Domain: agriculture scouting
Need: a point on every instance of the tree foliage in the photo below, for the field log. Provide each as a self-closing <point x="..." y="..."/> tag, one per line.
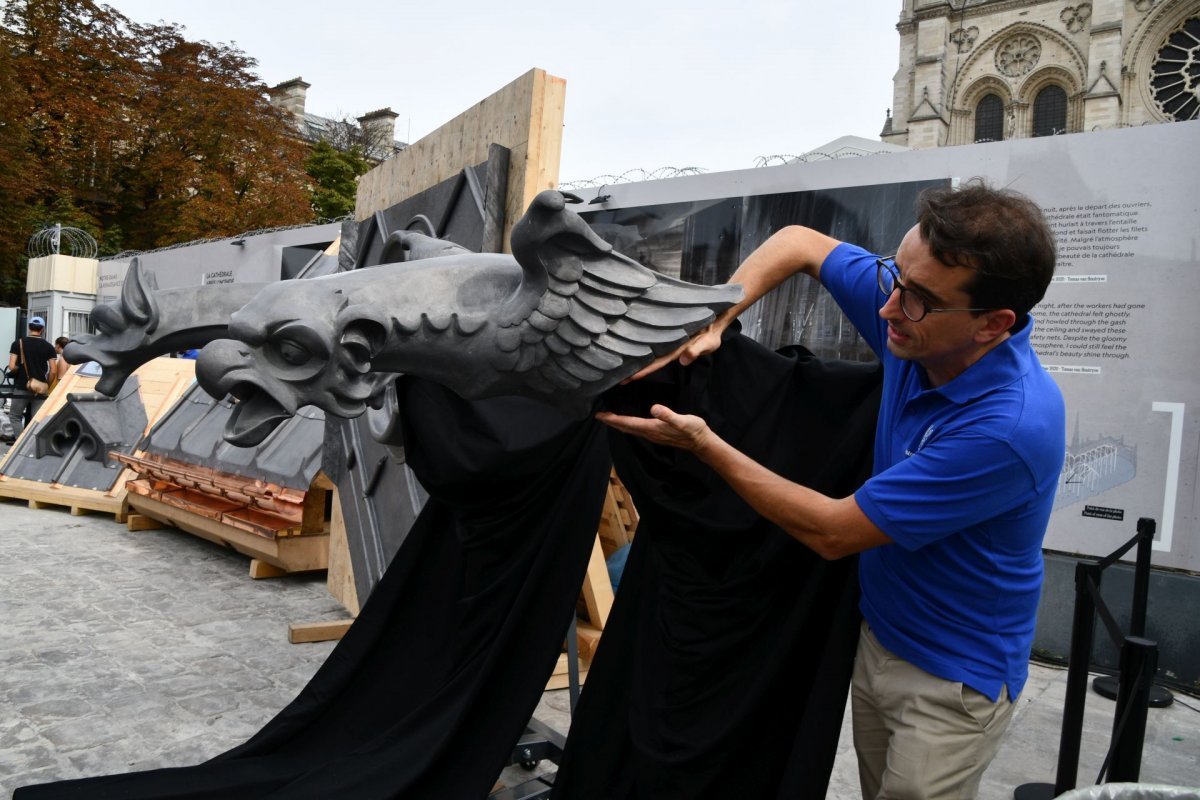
<point x="135" y="134"/>
<point x="335" y="173"/>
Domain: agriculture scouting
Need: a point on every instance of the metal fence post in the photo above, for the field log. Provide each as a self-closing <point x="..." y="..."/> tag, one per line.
<point x="1139" y="662"/>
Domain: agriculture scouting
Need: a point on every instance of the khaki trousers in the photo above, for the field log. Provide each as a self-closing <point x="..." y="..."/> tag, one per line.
<point x="917" y="736"/>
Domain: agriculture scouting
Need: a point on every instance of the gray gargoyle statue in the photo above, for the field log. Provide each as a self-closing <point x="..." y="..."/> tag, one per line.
<point x="562" y="319"/>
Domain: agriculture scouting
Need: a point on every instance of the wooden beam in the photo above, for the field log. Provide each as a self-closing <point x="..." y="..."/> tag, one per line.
<point x="340" y="578"/>
<point x="597" y="588"/>
<point x="261" y="569"/>
<point x="561" y="679"/>
<point x="312" y="519"/>
<point x="290" y="553"/>
<point x="588" y="636"/>
<point x="300" y="632"/>
<point x="140" y="522"/>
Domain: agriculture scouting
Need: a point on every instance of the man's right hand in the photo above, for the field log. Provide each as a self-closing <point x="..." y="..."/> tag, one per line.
<point x="703" y="343"/>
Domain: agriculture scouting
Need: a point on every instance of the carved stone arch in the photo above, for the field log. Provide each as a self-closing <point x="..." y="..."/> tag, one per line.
<point x="963" y="130"/>
<point x="982" y="60"/>
<point x="1058" y="53"/>
<point x="988" y="84"/>
<point x="1051" y="74"/>
<point x="1038" y="80"/>
<point x="1142" y="47"/>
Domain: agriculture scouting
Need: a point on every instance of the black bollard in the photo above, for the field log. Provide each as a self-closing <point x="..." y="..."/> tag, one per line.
<point x="1082" y="630"/>
<point x="1106" y="685"/>
<point x="1139" y="662"/>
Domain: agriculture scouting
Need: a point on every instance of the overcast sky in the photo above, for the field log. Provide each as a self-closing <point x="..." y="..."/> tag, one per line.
<point x="650" y="84"/>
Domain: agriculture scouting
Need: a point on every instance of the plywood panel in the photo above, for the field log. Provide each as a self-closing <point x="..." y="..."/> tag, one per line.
<point x="525" y="116"/>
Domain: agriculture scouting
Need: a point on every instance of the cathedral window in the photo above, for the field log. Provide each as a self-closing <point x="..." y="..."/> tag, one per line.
<point x="989" y="119"/>
<point x="1050" y="111"/>
<point x="1175" y="76"/>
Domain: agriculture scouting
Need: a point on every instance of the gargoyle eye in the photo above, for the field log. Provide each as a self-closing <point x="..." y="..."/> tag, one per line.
<point x="293" y="353"/>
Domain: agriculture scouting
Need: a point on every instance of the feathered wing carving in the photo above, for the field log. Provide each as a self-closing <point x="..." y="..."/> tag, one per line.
<point x="588" y="317"/>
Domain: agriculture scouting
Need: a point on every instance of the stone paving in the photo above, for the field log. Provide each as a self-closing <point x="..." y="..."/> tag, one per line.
<point x="125" y="651"/>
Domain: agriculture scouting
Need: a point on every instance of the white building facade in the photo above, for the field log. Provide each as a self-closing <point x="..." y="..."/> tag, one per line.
<point x="990" y="70"/>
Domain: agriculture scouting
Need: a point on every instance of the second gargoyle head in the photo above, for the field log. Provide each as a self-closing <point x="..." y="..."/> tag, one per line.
<point x="296" y="343"/>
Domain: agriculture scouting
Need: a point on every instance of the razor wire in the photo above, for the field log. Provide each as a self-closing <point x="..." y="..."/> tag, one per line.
<point x="54" y="240"/>
<point x="638" y="174"/>
<point x="635" y="175"/>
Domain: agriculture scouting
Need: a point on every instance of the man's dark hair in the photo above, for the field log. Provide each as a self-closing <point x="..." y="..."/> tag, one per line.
<point x="62" y="341"/>
<point x="1000" y="234"/>
<point x="33" y="326"/>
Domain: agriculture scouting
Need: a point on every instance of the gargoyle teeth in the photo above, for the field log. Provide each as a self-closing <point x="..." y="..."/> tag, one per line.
<point x="470" y="325"/>
<point x="407" y="326"/>
<point x="438" y="324"/>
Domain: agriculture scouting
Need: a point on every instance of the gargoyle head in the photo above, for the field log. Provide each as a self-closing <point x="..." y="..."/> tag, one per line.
<point x="125" y="326"/>
<point x="296" y="343"/>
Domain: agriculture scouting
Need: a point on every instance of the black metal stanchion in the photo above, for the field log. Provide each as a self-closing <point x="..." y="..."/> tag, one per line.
<point x="1106" y="685"/>
<point x="1082" y="629"/>
<point x="1139" y="662"/>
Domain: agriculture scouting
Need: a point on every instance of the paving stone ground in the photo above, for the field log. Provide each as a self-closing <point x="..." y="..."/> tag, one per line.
<point x="125" y="651"/>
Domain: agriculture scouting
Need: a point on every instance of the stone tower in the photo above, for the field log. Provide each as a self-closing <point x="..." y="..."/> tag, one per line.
<point x="984" y="70"/>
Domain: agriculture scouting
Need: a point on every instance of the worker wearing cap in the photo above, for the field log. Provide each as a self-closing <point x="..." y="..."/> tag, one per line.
<point x="37" y="362"/>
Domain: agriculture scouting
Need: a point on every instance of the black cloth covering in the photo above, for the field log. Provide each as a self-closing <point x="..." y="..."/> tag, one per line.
<point x="430" y="689"/>
<point x="725" y="663"/>
<point x="724" y="666"/>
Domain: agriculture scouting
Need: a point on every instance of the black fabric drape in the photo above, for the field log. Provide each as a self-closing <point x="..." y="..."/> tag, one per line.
<point x="724" y="664"/>
<point x="726" y="660"/>
<point x="429" y="690"/>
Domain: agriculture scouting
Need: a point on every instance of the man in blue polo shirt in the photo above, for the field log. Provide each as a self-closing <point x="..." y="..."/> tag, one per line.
<point x="969" y="445"/>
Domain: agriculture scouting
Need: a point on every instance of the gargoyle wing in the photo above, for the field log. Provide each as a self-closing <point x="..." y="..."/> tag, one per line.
<point x="588" y="317"/>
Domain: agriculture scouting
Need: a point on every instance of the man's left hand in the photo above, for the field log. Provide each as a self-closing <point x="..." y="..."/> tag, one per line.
<point x="665" y="427"/>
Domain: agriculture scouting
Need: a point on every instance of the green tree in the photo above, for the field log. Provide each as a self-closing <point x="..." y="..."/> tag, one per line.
<point x="335" y="173"/>
<point x="134" y="133"/>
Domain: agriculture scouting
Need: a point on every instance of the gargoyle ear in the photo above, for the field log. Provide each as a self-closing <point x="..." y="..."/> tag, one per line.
<point x="137" y="297"/>
<point x="364" y="333"/>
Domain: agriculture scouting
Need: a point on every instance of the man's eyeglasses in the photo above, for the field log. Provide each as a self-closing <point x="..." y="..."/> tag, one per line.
<point x="914" y="306"/>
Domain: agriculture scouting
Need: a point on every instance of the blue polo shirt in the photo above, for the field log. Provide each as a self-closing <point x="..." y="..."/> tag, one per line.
<point x="964" y="484"/>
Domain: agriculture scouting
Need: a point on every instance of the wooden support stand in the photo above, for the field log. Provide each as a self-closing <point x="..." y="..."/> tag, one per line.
<point x="301" y="632"/>
<point x="140" y="522"/>
<point x="618" y="523"/>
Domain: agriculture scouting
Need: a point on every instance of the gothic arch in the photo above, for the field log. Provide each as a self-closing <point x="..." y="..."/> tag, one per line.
<point x="1039" y="79"/>
<point x="1067" y="69"/>
<point x="964" y="117"/>
<point x="1142" y="47"/>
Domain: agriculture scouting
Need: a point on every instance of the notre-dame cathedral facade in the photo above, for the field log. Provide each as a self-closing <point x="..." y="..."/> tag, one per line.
<point x="986" y="70"/>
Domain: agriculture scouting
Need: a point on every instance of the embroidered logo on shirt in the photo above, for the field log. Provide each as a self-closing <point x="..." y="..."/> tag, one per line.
<point x="924" y="439"/>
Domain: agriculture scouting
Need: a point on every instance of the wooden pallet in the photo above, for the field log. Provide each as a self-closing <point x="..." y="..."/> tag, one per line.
<point x="161" y="382"/>
<point x="78" y="501"/>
